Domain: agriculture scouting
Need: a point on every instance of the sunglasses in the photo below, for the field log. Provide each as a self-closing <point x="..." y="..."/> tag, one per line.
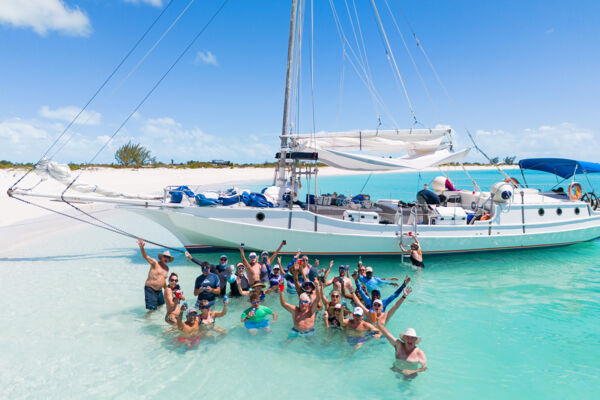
<point x="204" y="306"/>
<point x="377" y="305"/>
<point x="335" y="296"/>
<point x="224" y="259"/>
<point x="174" y="280"/>
<point x="255" y="302"/>
<point x="304" y="301"/>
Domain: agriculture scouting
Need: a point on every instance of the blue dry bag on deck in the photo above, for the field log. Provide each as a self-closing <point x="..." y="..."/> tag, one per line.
<point x="177" y="193"/>
<point x="202" y="201"/>
<point x="259" y="200"/>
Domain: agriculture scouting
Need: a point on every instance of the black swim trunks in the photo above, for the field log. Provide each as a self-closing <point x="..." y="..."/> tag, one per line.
<point x="154" y="298"/>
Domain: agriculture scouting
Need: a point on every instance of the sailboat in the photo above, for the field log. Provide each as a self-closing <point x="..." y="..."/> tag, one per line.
<point x="511" y="215"/>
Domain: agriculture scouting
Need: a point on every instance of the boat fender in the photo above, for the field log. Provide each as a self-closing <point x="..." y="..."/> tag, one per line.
<point x="512" y="181"/>
<point x="485" y="217"/>
<point x="575" y="191"/>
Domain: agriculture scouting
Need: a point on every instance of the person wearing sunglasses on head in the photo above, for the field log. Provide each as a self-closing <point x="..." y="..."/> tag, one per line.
<point x="173" y="295"/>
<point x="303" y="315"/>
<point x="255" y="317"/>
<point x="157" y="275"/>
<point x="376" y="313"/>
<point x="410" y="360"/>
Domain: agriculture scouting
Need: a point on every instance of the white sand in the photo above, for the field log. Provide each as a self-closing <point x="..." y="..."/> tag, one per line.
<point x="143" y="181"/>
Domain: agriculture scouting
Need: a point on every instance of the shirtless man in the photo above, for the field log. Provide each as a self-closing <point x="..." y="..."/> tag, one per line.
<point x="357" y="329"/>
<point x="339" y="280"/>
<point x="408" y="355"/>
<point x="253" y="267"/>
<point x="157" y="276"/>
<point x="189" y="329"/>
<point x="173" y="295"/>
<point x="303" y="315"/>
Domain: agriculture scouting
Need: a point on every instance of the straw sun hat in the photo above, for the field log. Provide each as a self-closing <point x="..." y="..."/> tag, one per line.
<point x="167" y="254"/>
<point x="412" y="333"/>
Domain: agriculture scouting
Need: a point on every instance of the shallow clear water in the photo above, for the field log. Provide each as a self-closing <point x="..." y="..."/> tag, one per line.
<point x="497" y="325"/>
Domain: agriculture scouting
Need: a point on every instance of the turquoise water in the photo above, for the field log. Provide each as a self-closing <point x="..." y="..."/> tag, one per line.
<point x="499" y="325"/>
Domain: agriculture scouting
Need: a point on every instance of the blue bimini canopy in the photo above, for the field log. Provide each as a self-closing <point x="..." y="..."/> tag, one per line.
<point x="559" y="166"/>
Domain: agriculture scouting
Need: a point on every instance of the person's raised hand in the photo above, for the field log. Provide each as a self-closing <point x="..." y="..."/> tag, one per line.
<point x="188" y="255"/>
<point x="407" y="291"/>
<point x="406" y="280"/>
<point x="394" y="284"/>
<point x="141" y="243"/>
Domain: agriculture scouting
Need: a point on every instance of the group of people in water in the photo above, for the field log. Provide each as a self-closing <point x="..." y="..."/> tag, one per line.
<point x="354" y="306"/>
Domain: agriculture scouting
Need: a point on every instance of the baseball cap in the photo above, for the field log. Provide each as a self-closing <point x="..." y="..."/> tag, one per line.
<point x="369" y="269"/>
<point x="252" y="255"/>
<point x="358" y="311"/>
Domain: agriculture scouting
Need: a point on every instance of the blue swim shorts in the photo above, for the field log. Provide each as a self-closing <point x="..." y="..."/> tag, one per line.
<point x="257" y="325"/>
<point x="154" y="298"/>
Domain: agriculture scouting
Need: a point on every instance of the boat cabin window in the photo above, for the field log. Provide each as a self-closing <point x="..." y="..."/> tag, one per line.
<point x="559" y="211"/>
<point x="577" y="211"/>
<point x="260" y="216"/>
<point x="541" y="212"/>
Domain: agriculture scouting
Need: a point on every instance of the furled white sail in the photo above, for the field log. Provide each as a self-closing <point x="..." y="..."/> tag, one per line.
<point x="62" y="173"/>
<point x="353" y="150"/>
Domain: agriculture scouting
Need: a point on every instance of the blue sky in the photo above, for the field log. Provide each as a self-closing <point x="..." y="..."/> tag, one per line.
<point x="522" y="76"/>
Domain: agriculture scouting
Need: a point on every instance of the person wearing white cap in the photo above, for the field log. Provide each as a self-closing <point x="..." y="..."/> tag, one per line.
<point x="191" y="324"/>
<point x="157" y="276"/>
<point x="377" y="311"/>
<point x="410" y="360"/>
<point x="252" y="265"/>
<point x="357" y="330"/>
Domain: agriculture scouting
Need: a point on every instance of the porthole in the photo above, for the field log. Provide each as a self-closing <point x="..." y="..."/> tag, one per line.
<point x="559" y="211"/>
<point x="541" y="212"/>
<point x="260" y="216"/>
<point x="577" y="211"/>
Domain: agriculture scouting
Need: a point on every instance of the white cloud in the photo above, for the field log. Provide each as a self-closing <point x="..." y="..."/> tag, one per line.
<point x="206" y="57"/>
<point x="68" y="113"/>
<point x="564" y="140"/>
<point x="155" y="3"/>
<point x="45" y="15"/>
<point x="549" y="31"/>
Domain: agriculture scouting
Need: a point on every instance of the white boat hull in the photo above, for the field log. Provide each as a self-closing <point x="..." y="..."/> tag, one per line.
<point x="211" y="228"/>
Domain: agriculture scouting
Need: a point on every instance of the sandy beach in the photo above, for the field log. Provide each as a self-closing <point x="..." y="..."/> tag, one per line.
<point x="140" y="181"/>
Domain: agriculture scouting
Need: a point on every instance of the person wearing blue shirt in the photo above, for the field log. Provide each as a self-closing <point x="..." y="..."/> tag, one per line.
<point x="372" y="282"/>
<point x="376" y="294"/>
<point x="207" y="285"/>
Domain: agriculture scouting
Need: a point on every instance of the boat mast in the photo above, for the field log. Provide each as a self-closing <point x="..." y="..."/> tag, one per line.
<point x="286" y="102"/>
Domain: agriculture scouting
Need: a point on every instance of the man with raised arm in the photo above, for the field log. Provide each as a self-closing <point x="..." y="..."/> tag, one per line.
<point x="157" y="276"/>
<point x="303" y="315"/>
<point x="207" y="285"/>
<point x="339" y="280"/>
<point x="266" y="261"/>
<point x="253" y="267"/>
<point x="410" y="360"/>
<point x="376" y="312"/>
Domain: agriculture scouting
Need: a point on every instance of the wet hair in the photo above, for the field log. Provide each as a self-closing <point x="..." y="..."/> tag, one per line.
<point x="173" y="274"/>
<point x="254" y="296"/>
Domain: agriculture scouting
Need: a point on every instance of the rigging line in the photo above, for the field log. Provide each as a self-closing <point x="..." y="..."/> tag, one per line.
<point x="152" y="89"/>
<point x="412" y="111"/>
<point x="131" y="72"/>
<point x="351" y="19"/>
<point x="375" y="97"/>
<point x="95" y="94"/>
<point x="312" y="60"/>
<point x="296" y="75"/>
<point x="341" y="90"/>
<point x="411" y="57"/>
<point x="91" y="223"/>
<point x="139" y="105"/>
<point x="365" y="185"/>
